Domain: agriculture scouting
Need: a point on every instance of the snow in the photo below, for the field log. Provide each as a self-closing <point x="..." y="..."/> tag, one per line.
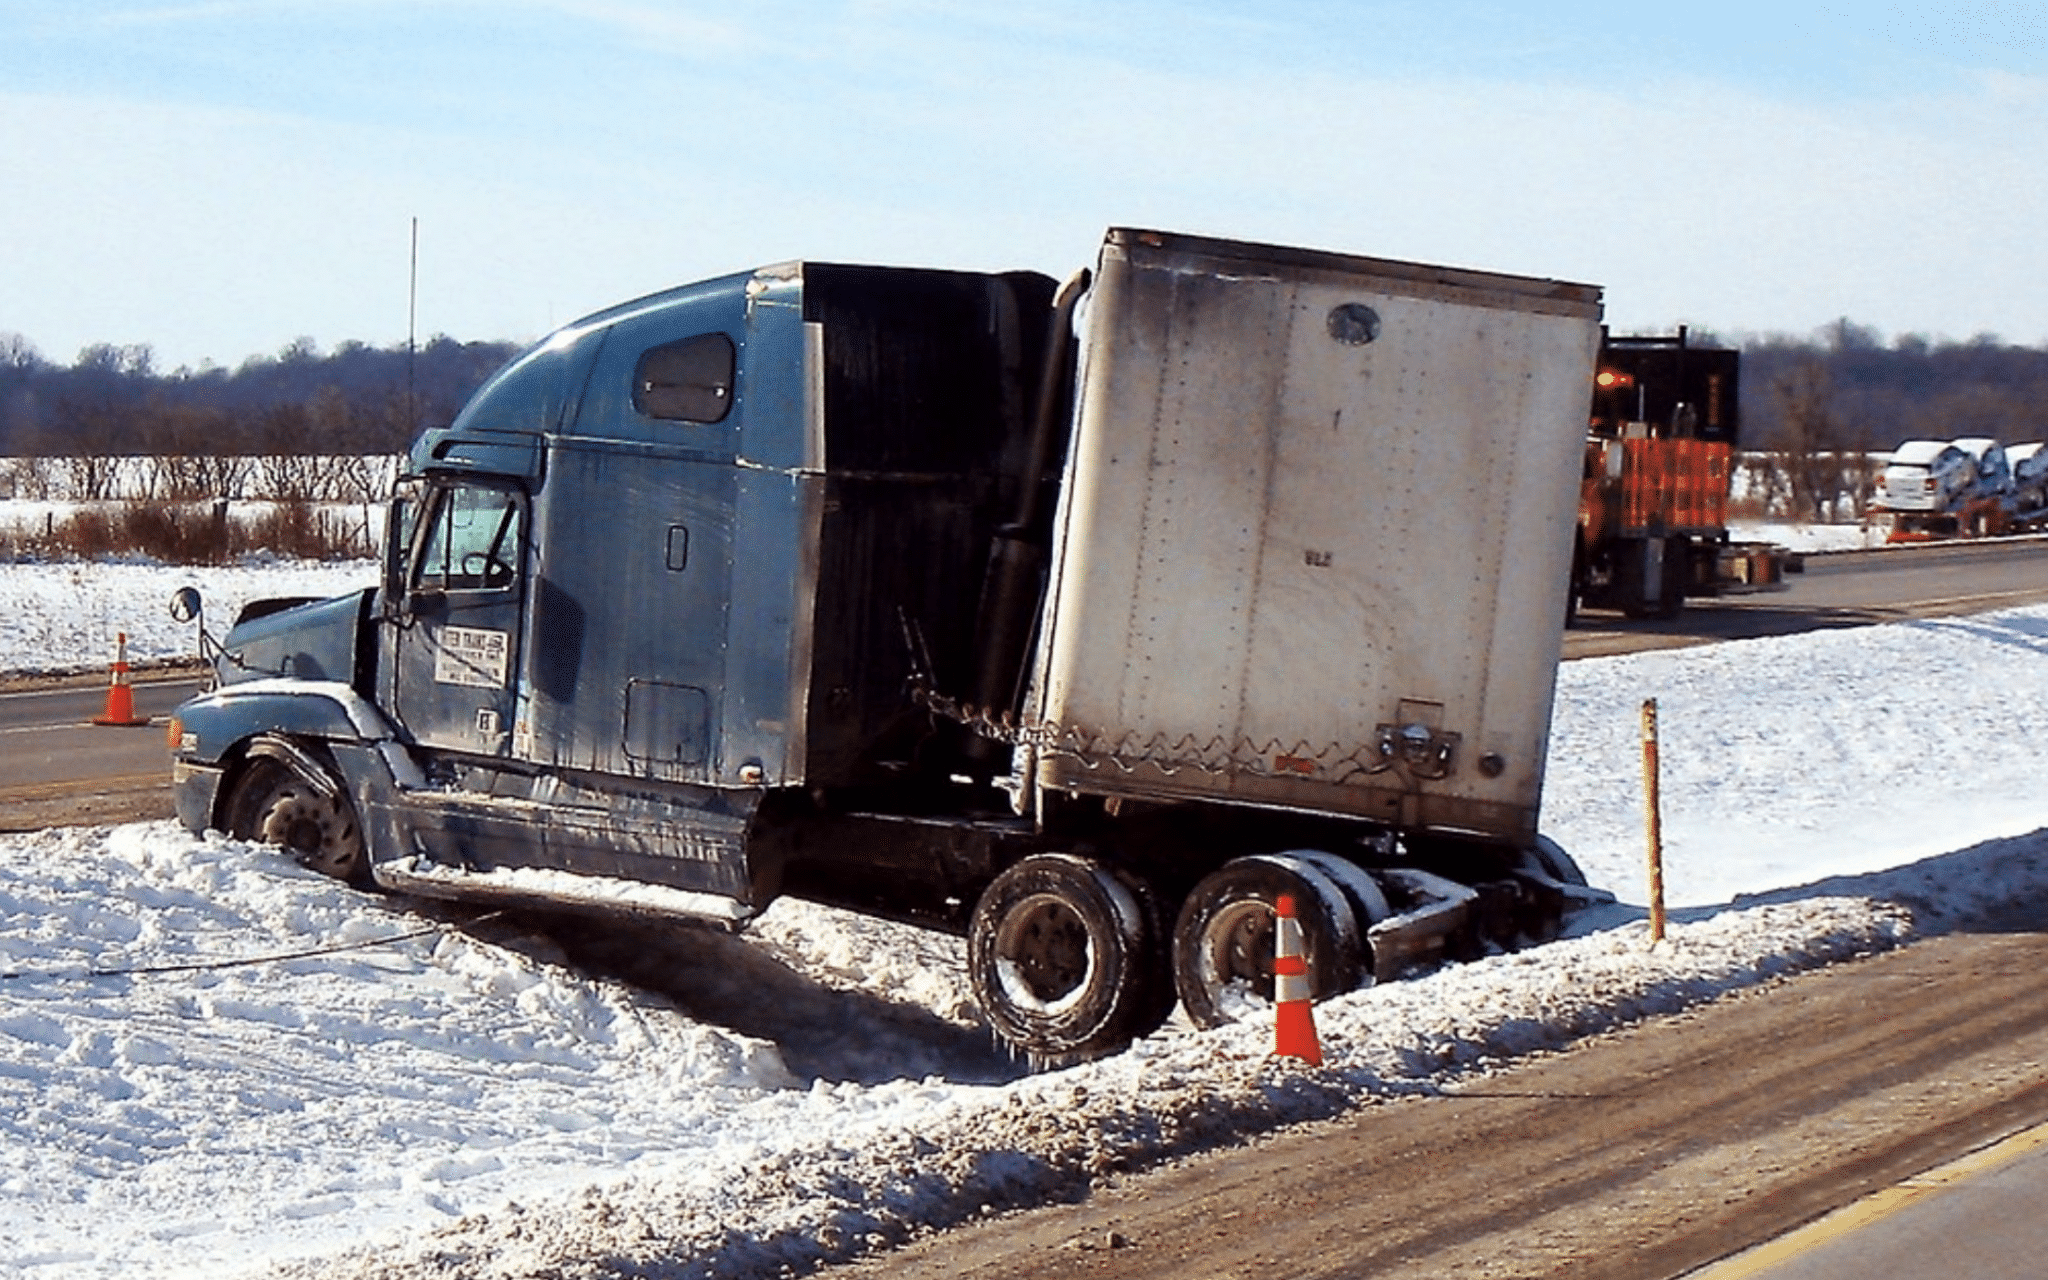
<point x="66" y="616"/>
<point x="1809" y="538"/>
<point x="214" y="1063"/>
<point x="424" y="875"/>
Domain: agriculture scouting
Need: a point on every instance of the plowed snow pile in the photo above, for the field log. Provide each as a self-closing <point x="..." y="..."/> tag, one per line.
<point x="186" y="1091"/>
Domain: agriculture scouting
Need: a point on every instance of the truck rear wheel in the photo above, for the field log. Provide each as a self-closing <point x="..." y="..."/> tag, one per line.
<point x="1223" y="942"/>
<point x="1065" y="959"/>
<point x="1549" y="856"/>
<point x="272" y="803"/>
<point x="1553" y="882"/>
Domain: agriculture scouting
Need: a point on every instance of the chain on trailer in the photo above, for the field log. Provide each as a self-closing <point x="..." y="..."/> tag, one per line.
<point x="1419" y="758"/>
<point x="1426" y="756"/>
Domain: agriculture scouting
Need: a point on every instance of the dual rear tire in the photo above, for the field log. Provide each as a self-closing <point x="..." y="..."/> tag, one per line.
<point x="1063" y="953"/>
<point x="1223" y="941"/>
<point x="1070" y="959"/>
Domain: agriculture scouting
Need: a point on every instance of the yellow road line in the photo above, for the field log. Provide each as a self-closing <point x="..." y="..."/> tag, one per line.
<point x="1872" y="1208"/>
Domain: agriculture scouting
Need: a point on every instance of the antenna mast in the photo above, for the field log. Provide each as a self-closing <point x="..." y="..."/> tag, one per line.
<point x="412" y="314"/>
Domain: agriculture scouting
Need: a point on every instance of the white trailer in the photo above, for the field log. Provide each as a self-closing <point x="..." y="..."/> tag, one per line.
<point x="1317" y="523"/>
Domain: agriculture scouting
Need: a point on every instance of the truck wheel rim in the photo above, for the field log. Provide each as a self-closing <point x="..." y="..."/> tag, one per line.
<point x="1237" y="948"/>
<point x="1044" y="954"/>
<point x="314" y="831"/>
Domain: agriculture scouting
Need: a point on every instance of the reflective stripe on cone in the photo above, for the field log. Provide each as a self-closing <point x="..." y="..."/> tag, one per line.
<point x="120" y="693"/>
<point x="1294" y="1021"/>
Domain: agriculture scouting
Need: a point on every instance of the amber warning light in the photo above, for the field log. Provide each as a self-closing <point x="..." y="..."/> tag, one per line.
<point x="1609" y="379"/>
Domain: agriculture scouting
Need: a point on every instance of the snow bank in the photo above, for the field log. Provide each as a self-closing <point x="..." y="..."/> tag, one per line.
<point x="943" y="1156"/>
<point x="444" y="1098"/>
<point x="1791" y="758"/>
<point x="192" y="1110"/>
<point x="182" y="1105"/>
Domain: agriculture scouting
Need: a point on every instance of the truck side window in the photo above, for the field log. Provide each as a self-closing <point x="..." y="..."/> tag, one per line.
<point x="686" y="381"/>
<point x="473" y="542"/>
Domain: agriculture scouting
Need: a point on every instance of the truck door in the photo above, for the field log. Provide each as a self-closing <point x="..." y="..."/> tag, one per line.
<point x="454" y="647"/>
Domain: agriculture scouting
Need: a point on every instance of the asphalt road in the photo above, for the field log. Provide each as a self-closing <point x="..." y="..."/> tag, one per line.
<point x="57" y="768"/>
<point x="1641" y="1155"/>
<point x="1840" y="589"/>
<point x="1977" y="1217"/>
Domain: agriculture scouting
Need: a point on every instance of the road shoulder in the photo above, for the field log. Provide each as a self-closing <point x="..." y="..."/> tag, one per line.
<point x="1640" y="1154"/>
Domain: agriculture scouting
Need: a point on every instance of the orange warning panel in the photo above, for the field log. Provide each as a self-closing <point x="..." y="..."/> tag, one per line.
<point x="1674" y="485"/>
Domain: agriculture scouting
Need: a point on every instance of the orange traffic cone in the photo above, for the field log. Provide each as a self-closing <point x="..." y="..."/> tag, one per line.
<point x="120" y="694"/>
<point x="1294" y="1023"/>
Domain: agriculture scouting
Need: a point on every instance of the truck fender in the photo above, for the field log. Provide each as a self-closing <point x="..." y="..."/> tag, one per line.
<point x="297" y="759"/>
<point x="217" y="724"/>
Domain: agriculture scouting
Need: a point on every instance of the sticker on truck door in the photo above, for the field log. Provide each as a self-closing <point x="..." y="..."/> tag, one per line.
<point x="472" y="656"/>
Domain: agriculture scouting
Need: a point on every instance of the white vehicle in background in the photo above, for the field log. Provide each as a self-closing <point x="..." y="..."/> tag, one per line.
<point x="2029" y="463"/>
<point x="1925" y="475"/>
<point x="1993" y="473"/>
<point x="1945" y="489"/>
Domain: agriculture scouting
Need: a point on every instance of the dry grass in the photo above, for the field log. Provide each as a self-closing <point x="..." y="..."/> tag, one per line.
<point x="196" y="533"/>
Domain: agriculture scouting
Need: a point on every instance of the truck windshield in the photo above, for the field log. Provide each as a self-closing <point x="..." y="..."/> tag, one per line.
<point x="473" y="541"/>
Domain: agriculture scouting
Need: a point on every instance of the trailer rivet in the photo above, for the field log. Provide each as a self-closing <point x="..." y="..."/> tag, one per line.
<point x="1492" y="764"/>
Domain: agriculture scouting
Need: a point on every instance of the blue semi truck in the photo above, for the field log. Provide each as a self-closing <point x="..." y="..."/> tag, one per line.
<point x="1084" y="620"/>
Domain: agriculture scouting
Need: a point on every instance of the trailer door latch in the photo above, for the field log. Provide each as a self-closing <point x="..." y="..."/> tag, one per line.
<point x="1418" y="750"/>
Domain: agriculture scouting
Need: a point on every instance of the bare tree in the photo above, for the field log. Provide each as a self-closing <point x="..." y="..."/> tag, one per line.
<point x="18" y="353"/>
<point x="1819" y="469"/>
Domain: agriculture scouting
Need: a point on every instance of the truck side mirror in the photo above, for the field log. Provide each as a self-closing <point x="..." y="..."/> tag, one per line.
<point x="186" y="606"/>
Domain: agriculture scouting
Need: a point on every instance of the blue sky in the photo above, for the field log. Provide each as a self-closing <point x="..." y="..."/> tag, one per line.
<point x="216" y="178"/>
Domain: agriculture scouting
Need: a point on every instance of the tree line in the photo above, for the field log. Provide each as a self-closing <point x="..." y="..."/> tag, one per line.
<point x="355" y="400"/>
<point x="1839" y="391"/>
<point x="1844" y="387"/>
<point x="1819" y="407"/>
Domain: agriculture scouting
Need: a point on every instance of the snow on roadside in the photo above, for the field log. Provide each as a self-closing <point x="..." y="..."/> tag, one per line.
<point x="454" y="1103"/>
<point x="956" y="1154"/>
<point x="1807" y="537"/>
<point x="183" y="1121"/>
<point x="64" y="616"/>
<point x="1790" y="758"/>
<point x="170" y="1110"/>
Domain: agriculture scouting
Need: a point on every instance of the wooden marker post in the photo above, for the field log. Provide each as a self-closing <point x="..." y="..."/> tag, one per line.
<point x="1654" y="819"/>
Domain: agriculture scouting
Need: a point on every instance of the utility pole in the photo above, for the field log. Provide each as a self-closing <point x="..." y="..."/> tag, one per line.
<point x="412" y="315"/>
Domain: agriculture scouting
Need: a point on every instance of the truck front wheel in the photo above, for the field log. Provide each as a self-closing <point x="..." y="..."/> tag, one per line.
<point x="1065" y="959"/>
<point x="273" y="802"/>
